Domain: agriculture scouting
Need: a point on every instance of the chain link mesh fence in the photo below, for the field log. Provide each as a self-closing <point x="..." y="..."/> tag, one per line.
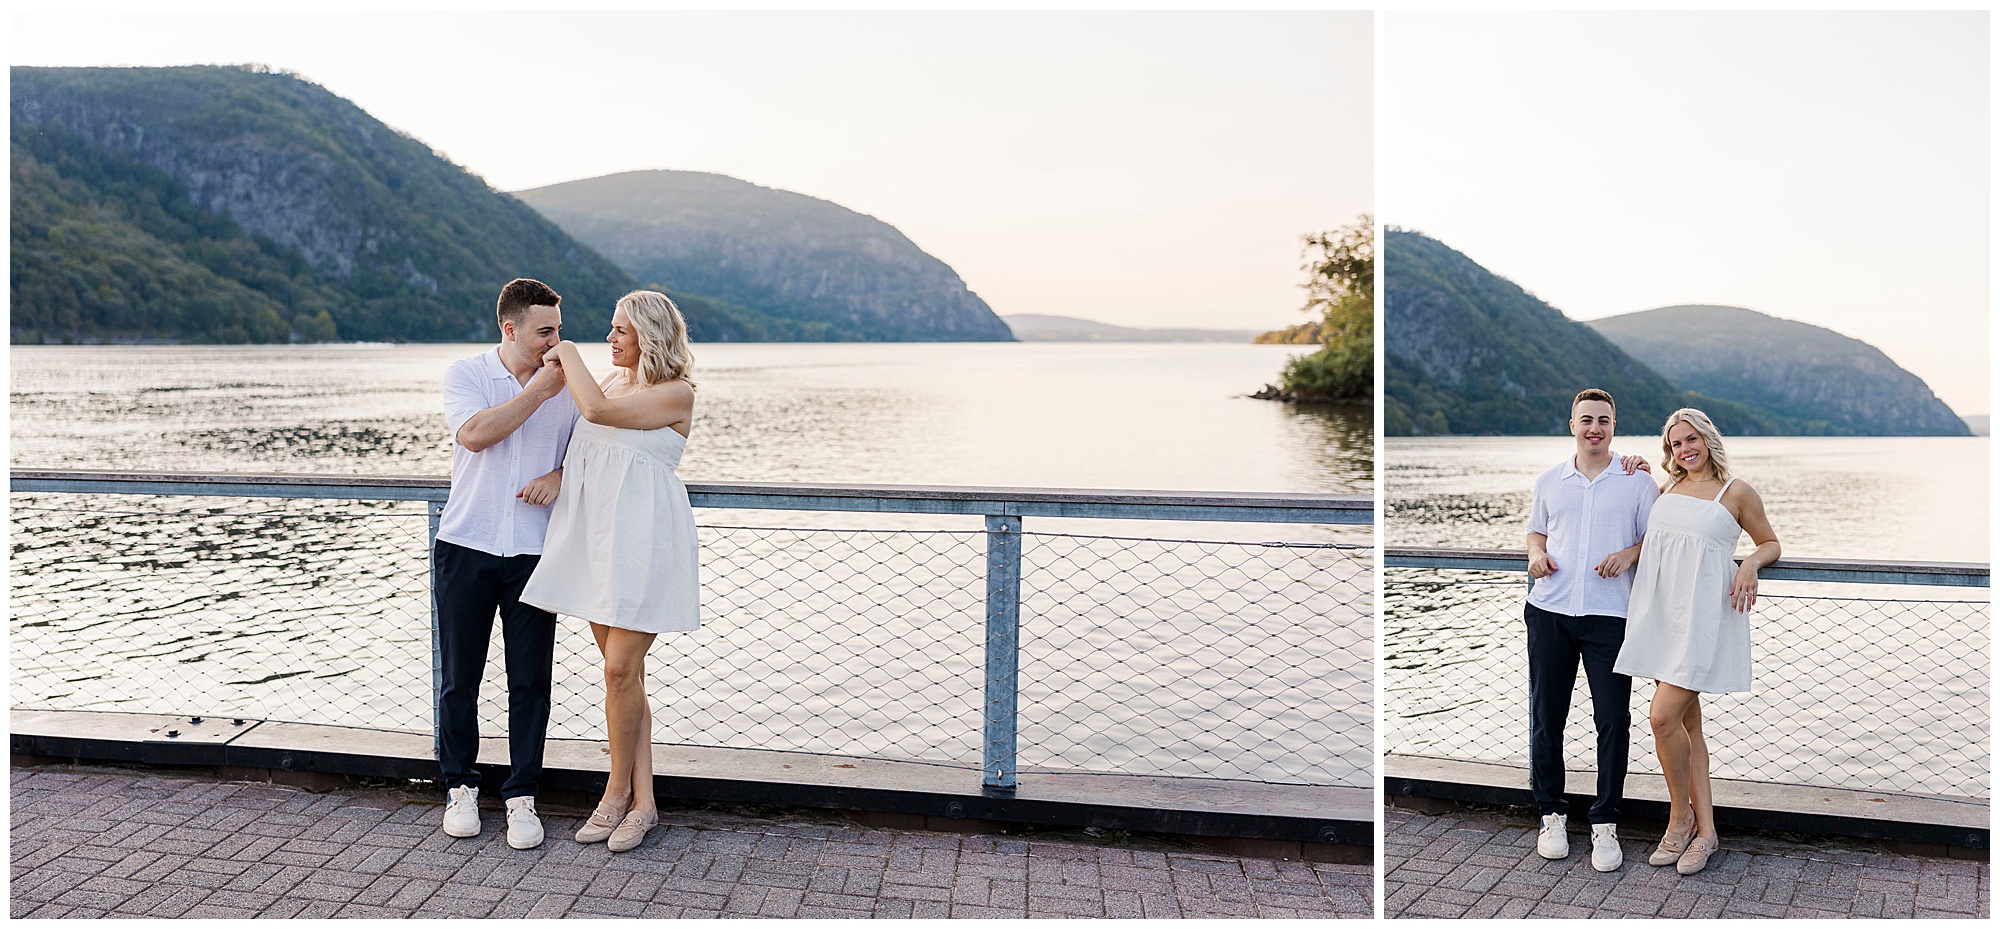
<point x="1881" y="693"/>
<point x="1141" y="656"/>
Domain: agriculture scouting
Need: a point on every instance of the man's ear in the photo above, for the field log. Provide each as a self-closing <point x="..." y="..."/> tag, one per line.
<point x="507" y="330"/>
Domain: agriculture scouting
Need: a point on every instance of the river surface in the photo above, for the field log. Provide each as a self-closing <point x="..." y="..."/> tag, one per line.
<point x="1871" y="687"/>
<point x="1230" y="650"/>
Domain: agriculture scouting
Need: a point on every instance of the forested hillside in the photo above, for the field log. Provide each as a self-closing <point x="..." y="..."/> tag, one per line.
<point x="226" y="204"/>
<point x="1469" y="352"/>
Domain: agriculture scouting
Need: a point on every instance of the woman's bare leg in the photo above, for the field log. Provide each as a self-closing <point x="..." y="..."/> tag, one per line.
<point x="642" y="755"/>
<point x="628" y="717"/>
<point x="618" y="785"/>
<point x="1700" y="794"/>
<point x="1668" y="716"/>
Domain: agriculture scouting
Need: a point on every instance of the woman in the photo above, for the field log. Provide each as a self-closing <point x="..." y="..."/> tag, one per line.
<point x="620" y="550"/>
<point x="1689" y="624"/>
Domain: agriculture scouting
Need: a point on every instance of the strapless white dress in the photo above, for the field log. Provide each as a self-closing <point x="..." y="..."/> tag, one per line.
<point x="1680" y="628"/>
<point x="621" y="548"/>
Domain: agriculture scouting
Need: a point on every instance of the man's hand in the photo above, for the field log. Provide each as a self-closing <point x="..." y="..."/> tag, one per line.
<point x="1618" y="562"/>
<point x="542" y="490"/>
<point x="1634" y="463"/>
<point x="1540" y="565"/>
<point x="547" y="382"/>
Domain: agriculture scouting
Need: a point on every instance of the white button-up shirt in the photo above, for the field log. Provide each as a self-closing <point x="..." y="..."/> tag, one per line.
<point x="482" y="512"/>
<point x="1586" y="520"/>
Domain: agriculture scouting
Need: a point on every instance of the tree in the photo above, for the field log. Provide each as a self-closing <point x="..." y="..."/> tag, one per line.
<point x="1340" y="291"/>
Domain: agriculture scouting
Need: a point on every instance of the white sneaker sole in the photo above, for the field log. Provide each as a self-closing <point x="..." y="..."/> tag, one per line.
<point x="457" y="834"/>
<point x="516" y="843"/>
<point x="1614" y="865"/>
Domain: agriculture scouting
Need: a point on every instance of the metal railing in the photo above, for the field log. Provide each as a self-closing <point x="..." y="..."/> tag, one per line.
<point x="1172" y="656"/>
<point x="1885" y="690"/>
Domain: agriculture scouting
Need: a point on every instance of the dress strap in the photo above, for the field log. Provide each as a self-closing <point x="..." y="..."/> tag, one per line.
<point x="1724" y="490"/>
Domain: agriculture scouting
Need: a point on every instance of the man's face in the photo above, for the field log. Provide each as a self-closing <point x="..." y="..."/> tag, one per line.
<point x="538" y="331"/>
<point x="1590" y="421"/>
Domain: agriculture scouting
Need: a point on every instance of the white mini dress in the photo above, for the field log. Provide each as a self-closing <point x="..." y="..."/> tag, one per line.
<point x="621" y="548"/>
<point x="1680" y="628"/>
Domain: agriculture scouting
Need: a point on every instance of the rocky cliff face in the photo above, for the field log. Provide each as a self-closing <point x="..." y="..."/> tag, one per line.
<point x="1794" y="369"/>
<point x="816" y="267"/>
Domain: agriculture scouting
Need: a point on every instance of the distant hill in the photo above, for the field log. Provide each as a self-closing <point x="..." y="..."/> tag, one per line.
<point x="230" y="204"/>
<point x="1469" y="352"/>
<point x="810" y="269"/>
<point x="1032" y="328"/>
<point x="1980" y="425"/>
<point x="1837" y="385"/>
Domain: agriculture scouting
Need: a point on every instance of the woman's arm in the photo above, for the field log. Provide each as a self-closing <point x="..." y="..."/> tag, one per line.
<point x="670" y="404"/>
<point x="1750" y="515"/>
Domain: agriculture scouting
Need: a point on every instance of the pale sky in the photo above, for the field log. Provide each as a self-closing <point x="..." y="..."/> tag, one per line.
<point x="1147" y="169"/>
<point x="1830" y="168"/>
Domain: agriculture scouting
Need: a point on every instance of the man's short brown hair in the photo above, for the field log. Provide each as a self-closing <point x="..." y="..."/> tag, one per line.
<point x="1592" y="393"/>
<point x="522" y="293"/>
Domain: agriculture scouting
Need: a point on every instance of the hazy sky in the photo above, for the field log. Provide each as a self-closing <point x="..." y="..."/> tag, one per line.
<point x="1830" y="168"/>
<point x="1142" y="169"/>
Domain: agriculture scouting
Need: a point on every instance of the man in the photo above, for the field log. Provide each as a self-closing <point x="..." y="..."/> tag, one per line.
<point x="1584" y="529"/>
<point x="510" y="418"/>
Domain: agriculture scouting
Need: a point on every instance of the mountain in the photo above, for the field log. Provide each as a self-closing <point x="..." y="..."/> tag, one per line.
<point x="1469" y="352"/>
<point x="810" y="269"/>
<point x="1841" y="386"/>
<point x="235" y="204"/>
<point x="1033" y="328"/>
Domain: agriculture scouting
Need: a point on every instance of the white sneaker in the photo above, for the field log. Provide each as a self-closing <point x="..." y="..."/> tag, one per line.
<point x="1605" y="855"/>
<point x="461" y="815"/>
<point x="1554" y="840"/>
<point x="524" y="828"/>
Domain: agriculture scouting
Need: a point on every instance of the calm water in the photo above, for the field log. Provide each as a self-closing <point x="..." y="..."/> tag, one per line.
<point x="829" y="635"/>
<point x="1455" y="679"/>
<point x="1024" y="414"/>
<point x="1895" y="498"/>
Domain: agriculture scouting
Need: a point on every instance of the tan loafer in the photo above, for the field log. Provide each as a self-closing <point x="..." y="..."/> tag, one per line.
<point x="602" y="822"/>
<point x="632" y="830"/>
<point x="1697" y="855"/>
<point x="1671" y="847"/>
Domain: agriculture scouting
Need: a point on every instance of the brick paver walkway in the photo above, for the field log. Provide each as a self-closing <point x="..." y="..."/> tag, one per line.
<point x="1474" y="864"/>
<point x="102" y="842"/>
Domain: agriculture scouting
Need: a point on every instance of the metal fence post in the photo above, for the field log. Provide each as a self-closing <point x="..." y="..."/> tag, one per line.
<point x="437" y="645"/>
<point x="1003" y="646"/>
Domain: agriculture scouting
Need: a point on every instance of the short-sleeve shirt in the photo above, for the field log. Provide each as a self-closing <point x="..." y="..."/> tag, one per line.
<point x="1586" y="520"/>
<point x="482" y="512"/>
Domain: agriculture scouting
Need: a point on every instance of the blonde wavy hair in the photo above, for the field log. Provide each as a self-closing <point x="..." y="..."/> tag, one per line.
<point x="663" y="337"/>
<point x="1718" y="460"/>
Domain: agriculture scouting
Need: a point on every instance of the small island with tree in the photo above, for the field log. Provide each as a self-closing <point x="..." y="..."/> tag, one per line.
<point x="1340" y="294"/>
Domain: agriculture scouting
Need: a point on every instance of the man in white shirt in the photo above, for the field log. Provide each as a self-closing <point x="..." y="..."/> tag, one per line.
<point x="510" y="418"/>
<point x="1585" y="526"/>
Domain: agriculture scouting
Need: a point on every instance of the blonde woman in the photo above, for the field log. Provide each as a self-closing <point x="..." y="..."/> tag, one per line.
<point x="1689" y="624"/>
<point x="621" y="549"/>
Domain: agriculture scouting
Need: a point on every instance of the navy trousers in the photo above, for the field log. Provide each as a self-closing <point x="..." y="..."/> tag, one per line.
<point x="1556" y="642"/>
<point x="470" y="586"/>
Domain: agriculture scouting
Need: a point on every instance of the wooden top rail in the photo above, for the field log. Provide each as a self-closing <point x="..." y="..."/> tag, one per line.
<point x="1228" y="506"/>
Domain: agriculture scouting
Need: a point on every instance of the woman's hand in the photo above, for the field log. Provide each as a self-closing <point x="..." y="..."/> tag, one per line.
<point x="1743" y="593"/>
<point x="554" y="355"/>
<point x="1634" y="464"/>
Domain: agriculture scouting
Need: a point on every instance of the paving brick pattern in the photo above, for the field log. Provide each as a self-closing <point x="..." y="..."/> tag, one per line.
<point x="1483" y="864"/>
<point x="98" y="843"/>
